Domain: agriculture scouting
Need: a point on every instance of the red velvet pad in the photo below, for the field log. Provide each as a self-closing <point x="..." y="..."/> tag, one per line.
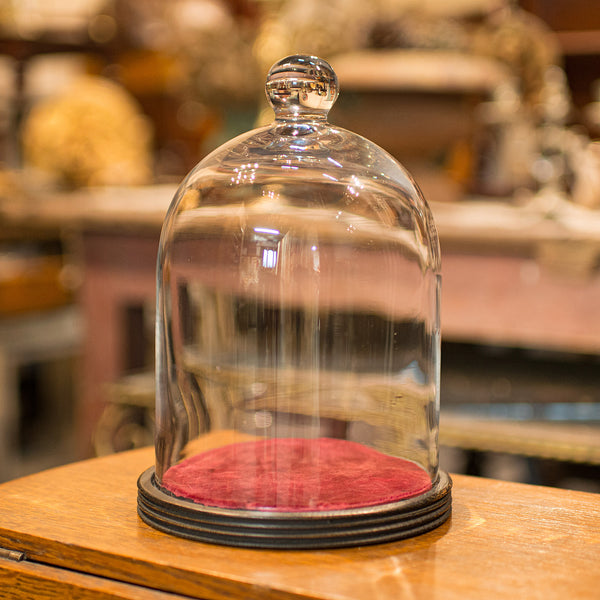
<point x="295" y="474"/>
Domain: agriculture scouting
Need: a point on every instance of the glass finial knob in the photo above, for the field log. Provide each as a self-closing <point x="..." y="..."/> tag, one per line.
<point x="301" y="86"/>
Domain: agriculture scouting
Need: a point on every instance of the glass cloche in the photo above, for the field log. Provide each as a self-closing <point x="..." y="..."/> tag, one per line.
<point x="297" y="339"/>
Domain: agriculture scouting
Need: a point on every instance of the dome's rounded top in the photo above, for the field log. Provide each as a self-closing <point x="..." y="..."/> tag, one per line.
<point x="301" y="165"/>
<point x="301" y="86"/>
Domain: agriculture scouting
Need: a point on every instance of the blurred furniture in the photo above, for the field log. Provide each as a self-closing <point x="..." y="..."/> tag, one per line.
<point x="74" y="531"/>
<point x="112" y="237"/>
<point x="40" y="337"/>
<point x="414" y="103"/>
<point x="43" y="338"/>
<point x="573" y="442"/>
<point x="421" y="107"/>
<point x="520" y="277"/>
<point x="511" y="277"/>
<point x="127" y="421"/>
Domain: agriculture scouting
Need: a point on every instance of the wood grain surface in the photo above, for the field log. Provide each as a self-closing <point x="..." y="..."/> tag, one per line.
<point x="26" y="580"/>
<point x="504" y="540"/>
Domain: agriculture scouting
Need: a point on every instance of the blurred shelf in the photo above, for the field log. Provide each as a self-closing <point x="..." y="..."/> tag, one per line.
<point x="23" y="49"/>
<point x="472" y="220"/>
<point x="570" y="442"/>
<point x="428" y="70"/>
<point x="115" y="208"/>
<point x="579" y="43"/>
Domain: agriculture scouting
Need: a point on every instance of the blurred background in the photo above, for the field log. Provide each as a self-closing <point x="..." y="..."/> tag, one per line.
<point x="494" y="106"/>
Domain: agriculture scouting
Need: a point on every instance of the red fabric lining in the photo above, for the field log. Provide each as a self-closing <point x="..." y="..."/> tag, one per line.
<point x="295" y="474"/>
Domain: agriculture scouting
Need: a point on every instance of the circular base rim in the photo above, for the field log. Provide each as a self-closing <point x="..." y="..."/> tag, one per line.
<point x="294" y="530"/>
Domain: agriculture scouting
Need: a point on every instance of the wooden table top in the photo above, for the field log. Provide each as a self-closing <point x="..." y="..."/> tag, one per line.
<point x="78" y="528"/>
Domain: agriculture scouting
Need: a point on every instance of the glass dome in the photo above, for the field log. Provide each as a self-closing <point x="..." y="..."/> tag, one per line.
<point x="297" y="338"/>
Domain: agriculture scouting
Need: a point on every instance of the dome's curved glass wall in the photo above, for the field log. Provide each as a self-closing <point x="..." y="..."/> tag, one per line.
<point x="298" y="290"/>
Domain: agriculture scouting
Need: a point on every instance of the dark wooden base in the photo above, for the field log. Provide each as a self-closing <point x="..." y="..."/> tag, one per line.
<point x="293" y="530"/>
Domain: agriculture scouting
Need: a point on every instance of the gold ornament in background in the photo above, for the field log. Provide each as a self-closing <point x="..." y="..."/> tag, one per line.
<point x="92" y="134"/>
<point x="524" y="43"/>
<point x="214" y="48"/>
